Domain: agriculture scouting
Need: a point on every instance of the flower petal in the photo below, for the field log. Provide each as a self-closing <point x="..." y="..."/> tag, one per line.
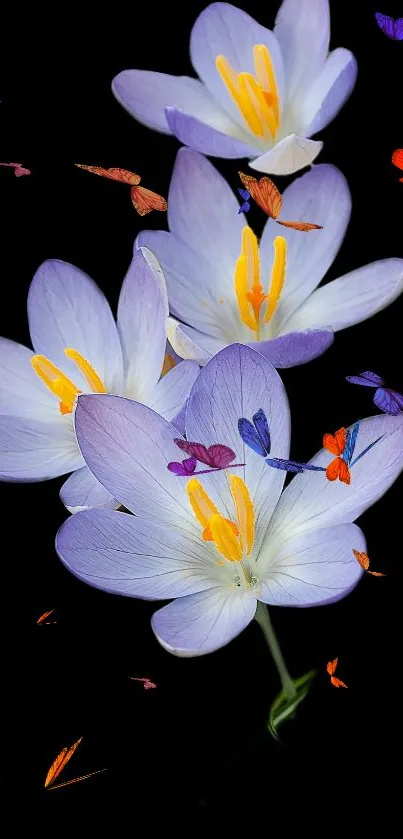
<point x="329" y="92"/>
<point x="288" y="156"/>
<point x="142" y="309"/>
<point x="82" y="491"/>
<point x="311" y="501"/>
<point x="67" y="309"/>
<point x="302" y="29"/>
<point x="188" y="342"/>
<point x="171" y="392"/>
<point x="128" y="447"/>
<point x="203" y="138"/>
<point x="352" y="298"/>
<point x="22" y="393"/>
<point x="126" y="555"/>
<point x="314" y="568"/>
<point x="222" y="29"/>
<point x="31" y="450"/>
<point x="295" y="347"/>
<point x="145" y="95"/>
<point x="321" y="196"/>
<point x="203" y="622"/>
<point x="236" y="383"/>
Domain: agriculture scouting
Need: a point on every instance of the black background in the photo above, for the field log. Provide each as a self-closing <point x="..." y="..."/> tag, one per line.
<point x="196" y="744"/>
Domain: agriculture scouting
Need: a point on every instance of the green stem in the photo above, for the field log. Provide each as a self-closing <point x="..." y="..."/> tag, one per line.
<point x="263" y="619"/>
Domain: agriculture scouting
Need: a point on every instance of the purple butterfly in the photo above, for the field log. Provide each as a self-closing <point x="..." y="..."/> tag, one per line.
<point x="184" y="469"/>
<point x="393" y="29"/>
<point x="387" y="400"/>
<point x="245" y="195"/>
<point x="256" y="436"/>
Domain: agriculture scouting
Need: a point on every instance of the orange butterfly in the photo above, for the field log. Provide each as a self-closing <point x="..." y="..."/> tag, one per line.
<point x="397" y="160"/>
<point x="269" y="199"/>
<point x="363" y="559"/>
<point x="331" y="668"/>
<point x="143" y="200"/>
<point x="335" y="444"/>
<point x="42" y="619"/>
<point x="59" y="764"/>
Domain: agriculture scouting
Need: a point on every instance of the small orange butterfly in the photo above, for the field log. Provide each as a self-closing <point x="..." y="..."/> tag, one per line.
<point x="363" y="559"/>
<point x="269" y="199"/>
<point x="42" y="619"/>
<point x="338" y="468"/>
<point x="397" y="160"/>
<point x="143" y="200"/>
<point x="331" y="669"/>
<point x="58" y="765"/>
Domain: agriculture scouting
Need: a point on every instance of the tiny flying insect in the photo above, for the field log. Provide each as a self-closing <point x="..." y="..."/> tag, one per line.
<point x="58" y="765"/>
<point x="392" y="28"/>
<point x="245" y="195"/>
<point x="331" y="668"/>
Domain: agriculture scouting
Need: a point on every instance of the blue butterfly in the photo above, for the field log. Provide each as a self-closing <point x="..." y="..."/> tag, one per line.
<point x="245" y="195"/>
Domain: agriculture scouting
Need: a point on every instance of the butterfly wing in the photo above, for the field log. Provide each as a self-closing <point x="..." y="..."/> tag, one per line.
<point x="303" y="226"/>
<point x="388" y="401"/>
<point x="265" y="193"/>
<point x="60" y="762"/>
<point x="221" y="456"/>
<point x="293" y="465"/>
<point x="197" y="450"/>
<point x="397" y="158"/>
<point x="387" y="24"/>
<point x="331" y="666"/>
<point x="45" y="615"/>
<point x="244" y="194"/>
<point x="335" y="443"/>
<point x="333" y="470"/>
<point x="337" y="683"/>
<point x="145" y="201"/>
<point x="186" y="468"/>
<point x="362" y="558"/>
<point x="124" y="176"/>
<point x="250" y="436"/>
<point x="367" y="379"/>
<point x="366" y="450"/>
<point x="399" y="29"/>
<point x="376" y="574"/>
<point x="351" y="440"/>
<point x="262" y="427"/>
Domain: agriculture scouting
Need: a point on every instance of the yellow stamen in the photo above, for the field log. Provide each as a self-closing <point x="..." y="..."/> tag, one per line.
<point x="257" y="98"/>
<point x="249" y="292"/>
<point x="90" y="376"/>
<point x="225" y="539"/>
<point x="56" y="381"/>
<point x="244" y="512"/>
<point x="202" y="505"/>
<point x="169" y="363"/>
<point x="277" y="276"/>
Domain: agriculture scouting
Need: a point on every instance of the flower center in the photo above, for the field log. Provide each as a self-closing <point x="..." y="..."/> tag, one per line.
<point x="249" y="292"/>
<point x="59" y="384"/>
<point x="256" y="96"/>
<point x="169" y="364"/>
<point x="233" y="540"/>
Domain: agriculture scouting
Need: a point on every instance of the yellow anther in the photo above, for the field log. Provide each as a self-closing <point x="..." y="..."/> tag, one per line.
<point x="202" y="504"/>
<point x="225" y="539"/>
<point x="169" y="363"/>
<point x="248" y="290"/>
<point x="90" y="376"/>
<point x="257" y="98"/>
<point x="244" y="512"/>
<point x="56" y="381"/>
<point x="277" y="276"/>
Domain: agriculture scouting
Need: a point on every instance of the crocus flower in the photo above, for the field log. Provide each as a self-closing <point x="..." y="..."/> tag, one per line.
<point x="226" y="288"/>
<point x="261" y="94"/>
<point x="224" y="541"/>
<point x="79" y="348"/>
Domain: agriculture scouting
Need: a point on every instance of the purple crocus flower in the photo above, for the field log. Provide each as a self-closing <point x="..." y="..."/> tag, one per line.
<point x="261" y="94"/>
<point x="224" y="287"/>
<point x="79" y="348"/>
<point x="223" y="542"/>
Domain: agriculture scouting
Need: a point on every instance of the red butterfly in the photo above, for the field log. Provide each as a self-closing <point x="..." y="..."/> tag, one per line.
<point x="216" y="457"/>
<point x="19" y="170"/>
<point x="331" y="668"/>
<point x="147" y="683"/>
<point x="269" y="199"/>
<point x="143" y="200"/>
<point x="397" y="160"/>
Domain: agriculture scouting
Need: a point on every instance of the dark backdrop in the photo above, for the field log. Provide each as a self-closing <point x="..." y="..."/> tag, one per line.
<point x="197" y="742"/>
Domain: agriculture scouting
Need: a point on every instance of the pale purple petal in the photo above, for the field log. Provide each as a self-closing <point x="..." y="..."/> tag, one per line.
<point x="82" y="491"/>
<point x="128" y="447"/>
<point x="303" y="31"/>
<point x="350" y="299"/>
<point x="126" y="555"/>
<point x="145" y="95"/>
<point x="31" y="450"/>
<point x="288" y="156"/>
<point x="331" y="90"/>
<point x="189" y="343"/>
<point x="179" y="420"/>
<point x="202" y="623"/>
<point x="142" y="310"/>
<point x="222" y="29"/>
<point x="203" y="138"/>
<point x="22" y="392"/>
<point x="295" y="347"/>
<point x="237" y="383"/>
<point x="311" y="501"/>
<point x="171" y="392"/>
<point x="321" y="196"/>
<point x="67" y="309"/>
<point x="313" y="569"/>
